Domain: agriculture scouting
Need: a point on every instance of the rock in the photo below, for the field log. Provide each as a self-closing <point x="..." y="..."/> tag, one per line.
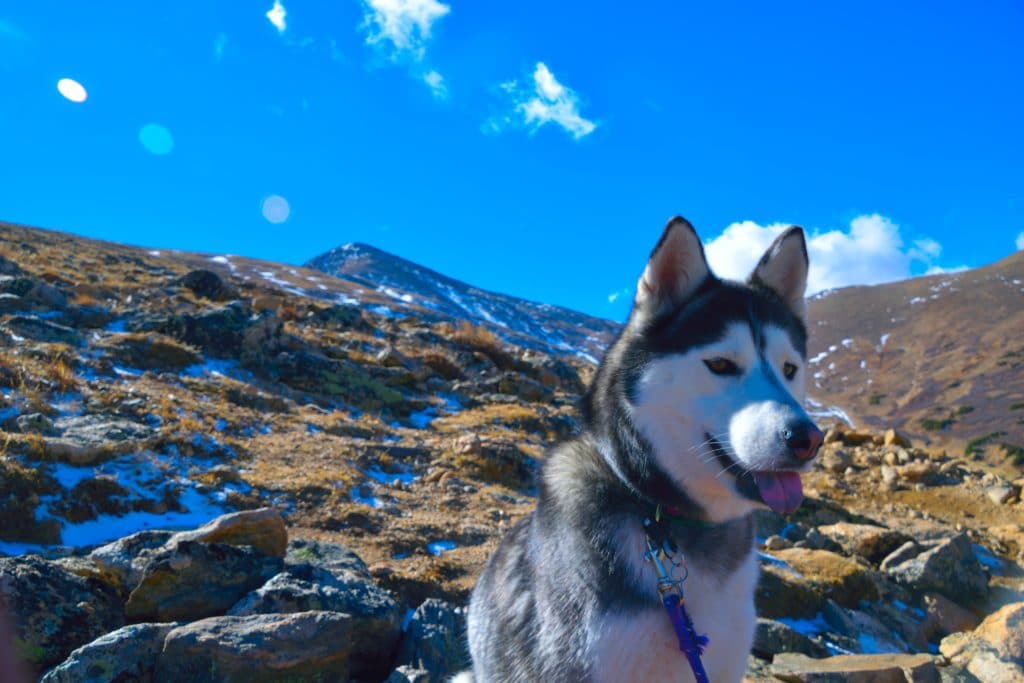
<point x="1004" y="632"/>
<point x="9" y="267"/>
<point x="87" y="439"/>
<point x="907" y="551"/>
<point x="995" y="650"/>
<point x="873" y="543"/>
<point x="408" y="674"/>
<point x="151" y="351"/>
<point x="35" y="423"/>
<point x="781" y="592"/>
<point x="834" y="459"/>
<point x="852" y="438"/>
<point x="528" y="389"/>
<point x="831" y="575"/>
<point x="36" y="329"/>
<point x="945" y="616"/>
<point x="54" y="610"/>
<point x="191" y="580"/>
<point x="888" y="668"/>
<point x="895" y="438"/>
<point x="772" y="637"/>
<point x="889" y="475"/>
<point x="331" y="556"/>
<point x="1000" y="492"/>
<point x="207" y="284"/>
<point x="263" y="529"/>
<point x="219" y="332"/>
<point x="776" y="542"/>
<point x="127" y="654"/>
<point x="868" y="633"/>
<point x="376" y="616"/>
<point x="308" y="646"/>
<point x="435" y="640"/>
<point x="12" y="303"/>
<point x="919" y="473"/>
<point x="950" y="568"/>
<point x="126" y="557"/>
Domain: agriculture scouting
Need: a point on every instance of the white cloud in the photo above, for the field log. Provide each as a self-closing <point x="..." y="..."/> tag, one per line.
<point x="1020" y="242"/>
<point x="405" y="24"/>
<point x="870" y="251"/>
<point x="615" y="296"/>
<point x="277" y="15"/>
<point x="548" y="101"/>
<point x="435" y="81"/>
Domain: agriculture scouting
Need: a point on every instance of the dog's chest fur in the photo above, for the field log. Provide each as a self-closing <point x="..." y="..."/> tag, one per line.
<point x="642" y="646"/>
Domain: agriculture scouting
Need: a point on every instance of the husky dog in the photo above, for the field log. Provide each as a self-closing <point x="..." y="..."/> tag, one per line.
<point x="694" y="411"/>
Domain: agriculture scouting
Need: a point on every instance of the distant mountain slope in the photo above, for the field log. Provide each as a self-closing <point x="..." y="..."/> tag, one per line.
<point x="555" y="329"/>
<point x="941" y="356"/>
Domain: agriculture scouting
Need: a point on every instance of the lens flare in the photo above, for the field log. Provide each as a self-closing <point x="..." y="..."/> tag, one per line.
<point x="72" y="90"/>
<point x="276" y="209"/>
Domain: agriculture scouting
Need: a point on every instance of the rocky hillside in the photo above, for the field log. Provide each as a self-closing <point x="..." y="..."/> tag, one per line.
<point x="940" y="356"/>
<point x="368" y="458"/>
<point x="551" y="328"/>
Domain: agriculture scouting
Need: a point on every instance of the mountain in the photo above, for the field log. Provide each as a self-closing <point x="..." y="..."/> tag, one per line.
<point x="942" y="356"/>
<point x="369" y="454"/>
<point x="551" y="328"/>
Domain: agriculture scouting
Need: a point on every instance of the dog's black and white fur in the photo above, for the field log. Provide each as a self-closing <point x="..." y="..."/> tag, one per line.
<point x="696" y="406"/>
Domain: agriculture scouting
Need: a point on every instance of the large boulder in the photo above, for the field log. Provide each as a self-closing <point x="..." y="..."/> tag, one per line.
<point x="151" y="351"/>
<point x="86" y="439"/>
<point x="125" y="655"/>
<point x="308" y="646"/>
<point x="950" y="568"/>
<point x="435" y="640"/>
<point x="773" y="637"/>
<point x="126" y="557"/>
<point x="994" y="652"/>
<point x="191" y="580"/>
<point x="36" y="329"/>
<point x="262" y="529"/>
<point x="207" y="284"/>
<point x="54" y="610"/>
<point x="831" y="575"/>
<point x="376" y="616"/>
<point x="889" y="668"/>
<point x="781" y="592"/>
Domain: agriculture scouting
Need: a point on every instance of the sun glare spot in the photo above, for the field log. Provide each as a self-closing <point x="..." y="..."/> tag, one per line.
<point x="276" y="209"/>
<point x="72" y="90"/>
<point x="156" y="139"/>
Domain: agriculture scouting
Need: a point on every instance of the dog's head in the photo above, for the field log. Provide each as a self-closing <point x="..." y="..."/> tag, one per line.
<point x="700" y="397"/>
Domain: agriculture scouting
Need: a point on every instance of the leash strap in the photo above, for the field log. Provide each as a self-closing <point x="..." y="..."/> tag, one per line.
<point x="661" y="546"/>
<point x="690" y="643"/>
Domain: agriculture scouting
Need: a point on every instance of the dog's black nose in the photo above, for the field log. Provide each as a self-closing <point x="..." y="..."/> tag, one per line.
<point x="803" y="439"/>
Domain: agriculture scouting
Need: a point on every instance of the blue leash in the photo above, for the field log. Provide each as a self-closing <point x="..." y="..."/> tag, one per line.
<point x="671" y="591"/>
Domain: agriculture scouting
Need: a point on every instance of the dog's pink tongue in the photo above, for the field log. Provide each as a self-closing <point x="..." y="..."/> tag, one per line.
<point x="783" y="491"/>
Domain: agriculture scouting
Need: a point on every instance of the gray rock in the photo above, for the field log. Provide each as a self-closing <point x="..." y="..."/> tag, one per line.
<point x="40" y="330"/>
<point x="54" y="610"/>
<point x="208" y="284"/>
<point x="87" y="439"/>
<point x="127" y="655"/>
<point x="330" y="556"/>
<point x="9" y="267"/>
<point x="950" y="568"/>
<point x="435" y="639"/>
<point x="126" y="557"/>
<point x="12" y="303"/>
<point x="888" y="668"/>
<point x="772" y="637"/>
<point x="192" y="580"/>
<point x="35" y="423"/>
<point x="999" y="492"/>
<point x="905" y="552"/>
<point x="309" y="646"/>
<point x="376" y="616"/>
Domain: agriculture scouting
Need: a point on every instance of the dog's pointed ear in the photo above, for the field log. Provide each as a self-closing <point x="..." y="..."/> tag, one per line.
<point x="783" y="269"/>
<point x="676" y="269"/>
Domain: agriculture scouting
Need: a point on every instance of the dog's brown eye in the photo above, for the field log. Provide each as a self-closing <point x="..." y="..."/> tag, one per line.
<point x="722" y="366"/>
<point x="789" y="370"/>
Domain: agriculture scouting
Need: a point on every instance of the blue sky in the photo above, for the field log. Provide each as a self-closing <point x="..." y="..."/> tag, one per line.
<point x="534" y="148"/>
